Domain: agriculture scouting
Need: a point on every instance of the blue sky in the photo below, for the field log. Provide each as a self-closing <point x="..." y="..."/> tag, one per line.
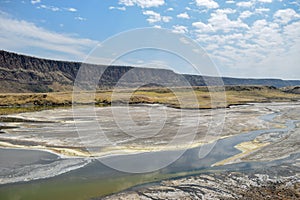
<point x="251" y="38"/>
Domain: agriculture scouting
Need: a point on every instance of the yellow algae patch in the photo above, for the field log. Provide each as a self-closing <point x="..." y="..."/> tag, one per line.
<point x="246" y="148"/>
<point x="133" y="149"/>
<point x="9" y="145"/>
<point x="105" y="151"/>
<point x="279" y="126"/>
<point x="69" y="152"/>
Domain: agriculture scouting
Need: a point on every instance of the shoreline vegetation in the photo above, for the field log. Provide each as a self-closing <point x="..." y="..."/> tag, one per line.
<point x="178" y="97"/>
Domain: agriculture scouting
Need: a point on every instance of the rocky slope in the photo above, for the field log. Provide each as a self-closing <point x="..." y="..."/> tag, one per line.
<point x="20" y="73"/>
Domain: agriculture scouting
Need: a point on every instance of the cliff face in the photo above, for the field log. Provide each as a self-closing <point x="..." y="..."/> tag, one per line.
<point x="20" y="73"/>
<point x="24" y="73"/>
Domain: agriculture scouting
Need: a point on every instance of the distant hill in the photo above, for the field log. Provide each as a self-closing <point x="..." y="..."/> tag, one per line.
<point x="21" y="73"/>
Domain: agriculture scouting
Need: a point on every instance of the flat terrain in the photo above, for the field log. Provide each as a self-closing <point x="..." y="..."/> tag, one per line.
<point x="128" y="128"/>
<point x="258" y="139"/>
<point x="198" y="97"/>
<point x="260" y="131"/>
<point x="273" y="169"/>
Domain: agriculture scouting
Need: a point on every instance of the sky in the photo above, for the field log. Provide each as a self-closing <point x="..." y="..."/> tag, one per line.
<point x="251" y="38"/>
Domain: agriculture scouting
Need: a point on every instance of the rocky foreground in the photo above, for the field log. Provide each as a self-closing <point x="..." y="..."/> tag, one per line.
<point x="280" y="182"/>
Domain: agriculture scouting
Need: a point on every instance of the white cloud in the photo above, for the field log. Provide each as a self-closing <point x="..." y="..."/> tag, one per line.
<point x="265" y="49"/>
<point x="220" y="21"/>
<point x="142" y="3"/>
<point x="286" y="15"/>
<point x="202" y="28"/>
<point x="278" y="47"/>
<point x="52" y="8"/>
<point x="226" y="11"/>
<point x="207" y="3"/>
<point x="154" y="17"/>
<point x="170" y="9"/>
<point x="123" y="8"/>
<point x="72" y="9"/>
<point x="266" y="34"/>
<point x="292" y="31"/>
<point x="166" y="18"/>
<point x="297" y="3"/>
<point x="245" y="14"/>
<point x="246" y="49"/>
<point x="211" y="47"/>
<point x="184" y="40"/>
<point x="265" y="1"/>
<point x="245" y="4"/>
<point x="230" y="2"/>
<point x="180" y="29"/>
<point x="35" y="1"/>
<point x="55" y="9"/>
<point x="20" y="35"/>
<point x="261" y="10"/>
<point x="183" y="15"/>
<point x="80" y="18"/>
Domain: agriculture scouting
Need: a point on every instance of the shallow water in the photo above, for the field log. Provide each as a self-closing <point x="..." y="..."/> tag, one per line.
<point x="18" y="157"/>
<point x="95" y="179"/>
